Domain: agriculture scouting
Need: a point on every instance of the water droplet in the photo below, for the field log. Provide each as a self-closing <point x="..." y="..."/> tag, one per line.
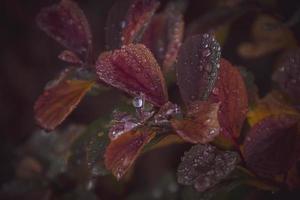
<point x="90" y="185"/>
<point x="138" y="102"/>
<point x="206" y="35"/>
<point x="123" y="24"/>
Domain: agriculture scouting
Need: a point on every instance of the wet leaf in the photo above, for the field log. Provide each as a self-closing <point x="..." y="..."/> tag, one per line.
<point x="167" y="112"/>
<point x="123" y="151"/>
<point x="231" y="92"/>
<point x="134" y="70"/>
<point x="66" y="23"/>
<point x="127" y="21"/>
<point x="70" y="57"/>
<point x="204" y="166"/>
<point x="197" y="67"/>
<point x="273" y="104"/>
<point x="88" y="150"/>
<point x="164" y="36"/>
<point x="121" y="123"/>
<point x="268" y="35"/>
<point x="287" y="74"/>
<point x="201" y="124"/>
<point x="272" y="145"/>
<point x="57" y="102"/>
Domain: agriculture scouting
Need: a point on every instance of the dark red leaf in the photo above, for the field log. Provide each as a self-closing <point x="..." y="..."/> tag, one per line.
<point x="231" y="92"/>
<point x="287" y="74"/>
<point x="197" y="67"/>
<point x="134" y="70"/>
<point x="57" y="102"/>
<point x="66" y="23"/>
<point x="201" y="124"/>
<point x="272" y="145"/>
<point x="164" y="36"/>
<point x="124" y="150"/>
<point x="127" y="21"/>
<point x="204" y="166"/>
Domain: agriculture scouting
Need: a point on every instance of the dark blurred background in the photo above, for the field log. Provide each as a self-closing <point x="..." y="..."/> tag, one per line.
<point x="28" y="60"/>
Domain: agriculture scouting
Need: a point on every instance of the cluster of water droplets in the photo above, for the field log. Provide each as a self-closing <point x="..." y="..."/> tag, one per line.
<point x="211" y="54"/>
<point x="121" y="123"/>
<point x="167" y="111"/>
<point x="204" y="166"/>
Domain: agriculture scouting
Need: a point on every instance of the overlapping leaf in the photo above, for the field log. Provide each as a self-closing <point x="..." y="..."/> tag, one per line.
<point x="127" y="21"/>
<point x="204" y="166"/>
<point x="134" y="70"/>
<point x="272" y="145"/>
<point x="273" y="104"/>
<point x="201" y="124"/>
<point x="124" y="150"/>
<point x="57" y="102"/>
<point x="66" y="23"/>
<point x="197" y="67"/>
<point x="287" y="74"/>
<point x="231" y="92"/>
<point x="164" y="35"/>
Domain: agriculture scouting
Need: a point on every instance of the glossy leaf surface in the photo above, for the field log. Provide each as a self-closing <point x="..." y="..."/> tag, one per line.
<point x="204" y="166"/>
<point x="272" y="145"/>
<point x="201" y="124"/>
<point x="124" y="150"/>
<point x="197" y="67"/>
<point x="231" y="92"/>
<point x="57" y="102"/>
<point x="134" y="70"/>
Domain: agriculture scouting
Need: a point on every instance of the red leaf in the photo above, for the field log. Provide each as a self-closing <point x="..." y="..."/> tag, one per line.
<point x="287" y="74"/>
<point x="66" y="23"/>
<point x="272" y="145"/>
<point x="127" y="21"/>
<point x="204" y="166"/>
<point x="201" y="124"/>
<point x="124" y="150"/>
<point x="164" y="36"/>
<point x="134" y="70"/>
<point x="59" y="101"/>
<point x="197" y="67"/>
<point x="231" y="92"/>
